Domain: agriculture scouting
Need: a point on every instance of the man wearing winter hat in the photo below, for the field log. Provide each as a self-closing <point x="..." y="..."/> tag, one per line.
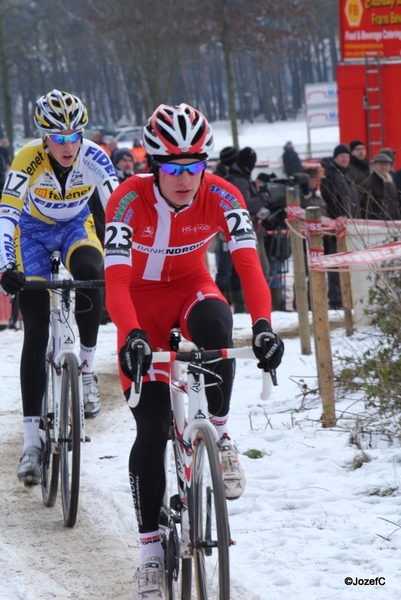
<point x="123" y="162"/>
<point x="256" y="202"/>
<point x="341" y="197"/>
<point x="380" y="198"/>
<point x="359" y="165"/>
<point x="227" y="159"/>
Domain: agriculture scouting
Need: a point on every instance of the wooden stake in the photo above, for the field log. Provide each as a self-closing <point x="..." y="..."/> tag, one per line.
<point x="346" y="293"/>
<point x="321" y="326"/>
<point x="298" y="257"/>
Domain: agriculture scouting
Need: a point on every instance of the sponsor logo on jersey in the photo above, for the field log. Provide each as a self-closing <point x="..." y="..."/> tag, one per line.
<point x="73" y="194"/>
<point x="168" y="251"/>
<point x="196" y="228"/>
<point x="122" y="205"/>
<point x="77" y="178"/>
<point x="149" y="231"/>
<point x="34" y="164"/>
<point x="227" y="196"/>
<point x="128" y="215"/>
<point x="99" y="156"/>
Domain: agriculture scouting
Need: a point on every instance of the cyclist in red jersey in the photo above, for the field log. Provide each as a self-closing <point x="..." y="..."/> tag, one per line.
<point x="158" y="227"/>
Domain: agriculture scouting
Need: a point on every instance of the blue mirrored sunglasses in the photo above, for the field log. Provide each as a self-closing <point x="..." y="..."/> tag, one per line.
<point x="58" y="138"/>
<point x="177" y="170"/>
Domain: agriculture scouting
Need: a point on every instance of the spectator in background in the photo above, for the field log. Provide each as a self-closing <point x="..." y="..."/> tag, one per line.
<point x="272" y="230"/>
<point x="256" y="201"/>
<point x="5" y="162"/>
<point x="227" y="279"/>
<point x="5" y="151"/>
<point x="396" y="174"/>
<point x="341" y="197"/>
<point x="291" y="161"/>
<point x="310" y="192"/>
<point x="139" y="155"/>
<point x="112" y="146"/>
<point x="227" y="159"/>
<point x="380" y="197"/>
<point x="123" y="162"/>
<point x="97" y="137"/>
<point x="359" y="168"/>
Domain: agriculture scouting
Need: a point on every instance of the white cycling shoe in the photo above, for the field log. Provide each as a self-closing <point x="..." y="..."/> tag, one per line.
<point x="233" y="474"/>
<point x="29" y="470"/>
<point x="149" y="581"/>
<point x="92" y="402"/>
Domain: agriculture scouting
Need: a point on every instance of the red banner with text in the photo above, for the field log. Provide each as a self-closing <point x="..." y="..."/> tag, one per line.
<point x="370" y="26"/>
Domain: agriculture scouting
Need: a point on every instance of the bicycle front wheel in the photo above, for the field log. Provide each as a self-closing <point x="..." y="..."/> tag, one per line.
<point x="50" y="460"/>
<point x="70" y="440"/>
<point x="209" y="521"/>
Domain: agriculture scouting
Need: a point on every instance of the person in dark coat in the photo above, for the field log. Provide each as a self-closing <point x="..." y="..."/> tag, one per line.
<point x="123" y="163"/>
<point x="227" y="278"/>
<point x="359" y="168"/>
<point x="256" y="201"/>
<point x="291" y="161"/>
<point x="341" y="197"/>
<point x="227" y="159"/>
<point x="380" y="197"/>
<point x="337" y="189"/>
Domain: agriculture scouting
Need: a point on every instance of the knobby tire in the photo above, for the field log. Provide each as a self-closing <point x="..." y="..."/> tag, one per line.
<point x="50" y="461"/>
<point x="70" y="440"/>
<point x="209" y="513"/>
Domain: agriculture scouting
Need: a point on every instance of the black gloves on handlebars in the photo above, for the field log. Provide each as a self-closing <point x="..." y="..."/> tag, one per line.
<point x="267" y="346"/>
<point x="12" y="280"/>
<point x="136" y="342"/>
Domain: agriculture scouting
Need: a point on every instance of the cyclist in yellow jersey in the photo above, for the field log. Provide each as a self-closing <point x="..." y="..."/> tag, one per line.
<point x="45" y="208"/>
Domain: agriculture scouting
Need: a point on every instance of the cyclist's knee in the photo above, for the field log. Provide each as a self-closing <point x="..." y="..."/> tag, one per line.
<point x="86" y="263"/>
<point x="210" y="324"/>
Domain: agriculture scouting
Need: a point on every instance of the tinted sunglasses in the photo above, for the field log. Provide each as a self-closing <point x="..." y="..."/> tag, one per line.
<point x="60" y="139"/>
<point x="177" y="170"/>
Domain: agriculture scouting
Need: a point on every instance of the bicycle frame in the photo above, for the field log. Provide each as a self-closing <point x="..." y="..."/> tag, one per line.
<point x="61" y="343"/>
<point x="188" y="422"/>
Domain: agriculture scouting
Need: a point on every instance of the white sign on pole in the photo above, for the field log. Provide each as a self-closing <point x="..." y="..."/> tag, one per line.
<point x="322" y="116"/>
<point x="321" y="103"/>
<point x="321" y="94"/>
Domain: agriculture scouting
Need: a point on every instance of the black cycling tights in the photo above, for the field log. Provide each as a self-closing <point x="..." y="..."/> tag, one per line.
<point x="85" y="263"/>
<point x="210" y="326"/>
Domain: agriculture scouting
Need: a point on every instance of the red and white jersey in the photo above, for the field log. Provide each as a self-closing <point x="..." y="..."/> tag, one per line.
<point x="150" y="243"/>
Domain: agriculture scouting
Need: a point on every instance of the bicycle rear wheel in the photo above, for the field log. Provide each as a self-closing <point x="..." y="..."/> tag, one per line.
<point x="209" y="521"/>
<point x="70" y="440"/>
<point x="50" y="460"/>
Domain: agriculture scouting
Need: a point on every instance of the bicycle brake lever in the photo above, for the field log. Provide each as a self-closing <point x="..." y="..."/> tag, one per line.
<point x="137" y="381"/>
<point x="273" y="376"/>
<point x="139" y="348"/>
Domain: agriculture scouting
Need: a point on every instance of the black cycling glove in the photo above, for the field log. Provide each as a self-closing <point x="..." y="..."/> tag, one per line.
<point x="128" y="354"/>
<point x="12" y="280"/>
<point x="267" y="346"/>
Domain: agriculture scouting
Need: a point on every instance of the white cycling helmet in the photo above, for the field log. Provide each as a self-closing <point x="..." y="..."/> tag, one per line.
<point x="57" y="111"/>
<point x="177" y="130"/>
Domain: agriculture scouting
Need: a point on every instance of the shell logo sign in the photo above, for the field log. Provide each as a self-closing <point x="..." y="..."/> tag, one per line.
<point x="353" y="11"/>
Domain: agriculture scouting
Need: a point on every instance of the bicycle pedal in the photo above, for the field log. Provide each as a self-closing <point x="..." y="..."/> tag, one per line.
<point x="87" y="438"/>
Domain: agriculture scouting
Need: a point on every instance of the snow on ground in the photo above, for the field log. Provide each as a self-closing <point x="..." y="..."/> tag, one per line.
<point x="305" y="522"/>
<point x="268" y="139"/>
